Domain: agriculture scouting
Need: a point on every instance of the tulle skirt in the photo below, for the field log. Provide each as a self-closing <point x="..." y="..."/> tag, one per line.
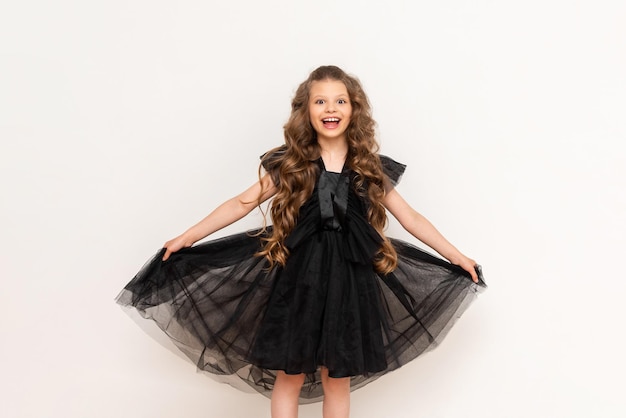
<point x="234" y="317"/>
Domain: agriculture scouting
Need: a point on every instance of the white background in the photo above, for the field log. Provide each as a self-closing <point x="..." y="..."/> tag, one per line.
<point x="124" y="122"/>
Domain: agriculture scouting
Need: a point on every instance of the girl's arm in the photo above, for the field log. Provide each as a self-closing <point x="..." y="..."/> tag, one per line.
<point x="228" y="212"/>
<point x="418" y="226"/>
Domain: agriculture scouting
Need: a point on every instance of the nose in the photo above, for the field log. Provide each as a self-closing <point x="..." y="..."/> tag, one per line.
<point x="330" y="107"/>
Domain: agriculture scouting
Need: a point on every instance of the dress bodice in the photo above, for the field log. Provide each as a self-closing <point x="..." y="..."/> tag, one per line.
<point x="332" y="193"/>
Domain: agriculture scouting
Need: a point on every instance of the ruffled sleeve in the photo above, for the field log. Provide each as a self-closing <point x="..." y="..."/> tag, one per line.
<point x="392" y="169"/>
<point x="270" y="161"/>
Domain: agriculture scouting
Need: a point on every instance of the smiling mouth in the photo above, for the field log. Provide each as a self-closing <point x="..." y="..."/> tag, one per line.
<point x="330" y="121"/>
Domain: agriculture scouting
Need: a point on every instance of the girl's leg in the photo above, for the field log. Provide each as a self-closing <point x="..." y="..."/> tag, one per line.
<point x="336" y="396"/>
<point x="285" y="395"/>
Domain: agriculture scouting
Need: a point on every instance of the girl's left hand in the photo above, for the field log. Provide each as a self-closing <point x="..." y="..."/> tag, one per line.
<point x="468" y="265"/>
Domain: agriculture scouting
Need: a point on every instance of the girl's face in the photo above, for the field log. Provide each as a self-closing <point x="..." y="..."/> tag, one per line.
<point x="329" y="109"/>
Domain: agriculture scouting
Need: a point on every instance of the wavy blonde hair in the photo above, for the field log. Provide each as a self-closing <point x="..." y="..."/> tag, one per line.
<point x="294" y="170"/>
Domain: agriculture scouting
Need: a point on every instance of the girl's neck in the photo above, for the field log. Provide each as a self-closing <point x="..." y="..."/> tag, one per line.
<point x="333" y="149"/>
<point x="333" y="154"/>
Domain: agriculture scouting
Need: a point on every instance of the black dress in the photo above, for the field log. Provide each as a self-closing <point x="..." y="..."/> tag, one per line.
<point x="327" y="306"/>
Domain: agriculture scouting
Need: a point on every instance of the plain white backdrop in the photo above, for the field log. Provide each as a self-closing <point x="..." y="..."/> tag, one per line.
<point x="124" y="122"/>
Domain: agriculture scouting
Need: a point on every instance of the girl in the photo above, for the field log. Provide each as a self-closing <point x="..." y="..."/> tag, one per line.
<point x="321" y="302"/>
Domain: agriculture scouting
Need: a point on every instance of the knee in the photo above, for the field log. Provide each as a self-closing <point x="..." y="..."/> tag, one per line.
<point x="289" y="381"/>
<point x="334" y="385"/>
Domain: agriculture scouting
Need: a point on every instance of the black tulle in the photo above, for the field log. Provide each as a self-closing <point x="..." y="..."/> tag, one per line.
<point x="326" y="307"/>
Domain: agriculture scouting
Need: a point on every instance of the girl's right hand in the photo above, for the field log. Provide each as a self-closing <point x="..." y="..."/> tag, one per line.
<point x="176" y="244"/>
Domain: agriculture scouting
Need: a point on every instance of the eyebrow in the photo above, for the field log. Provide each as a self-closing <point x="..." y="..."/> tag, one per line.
<point x="325" y="97"/>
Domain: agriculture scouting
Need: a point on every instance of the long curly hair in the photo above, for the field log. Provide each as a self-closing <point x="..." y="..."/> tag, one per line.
<point x="294" y="170"/>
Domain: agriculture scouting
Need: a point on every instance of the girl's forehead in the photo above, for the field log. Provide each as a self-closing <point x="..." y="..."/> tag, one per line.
<point x="328" y="87"/>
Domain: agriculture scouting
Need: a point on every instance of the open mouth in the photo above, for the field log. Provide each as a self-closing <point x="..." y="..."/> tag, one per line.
<point x="331" y="122"/>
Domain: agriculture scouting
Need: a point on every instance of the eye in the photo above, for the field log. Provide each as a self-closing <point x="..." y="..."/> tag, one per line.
<point x="342" y="101"/>
<point x="319" y="101"/>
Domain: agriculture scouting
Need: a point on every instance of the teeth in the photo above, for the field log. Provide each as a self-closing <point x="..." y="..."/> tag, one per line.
<point x="331" y="120"/>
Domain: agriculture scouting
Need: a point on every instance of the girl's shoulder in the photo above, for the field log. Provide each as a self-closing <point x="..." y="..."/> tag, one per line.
<point x="392" y="169"/>
<point x="272" y="158"/>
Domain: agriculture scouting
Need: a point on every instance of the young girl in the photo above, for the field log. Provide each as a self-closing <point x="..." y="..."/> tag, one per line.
<point x="321" y="302"/>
